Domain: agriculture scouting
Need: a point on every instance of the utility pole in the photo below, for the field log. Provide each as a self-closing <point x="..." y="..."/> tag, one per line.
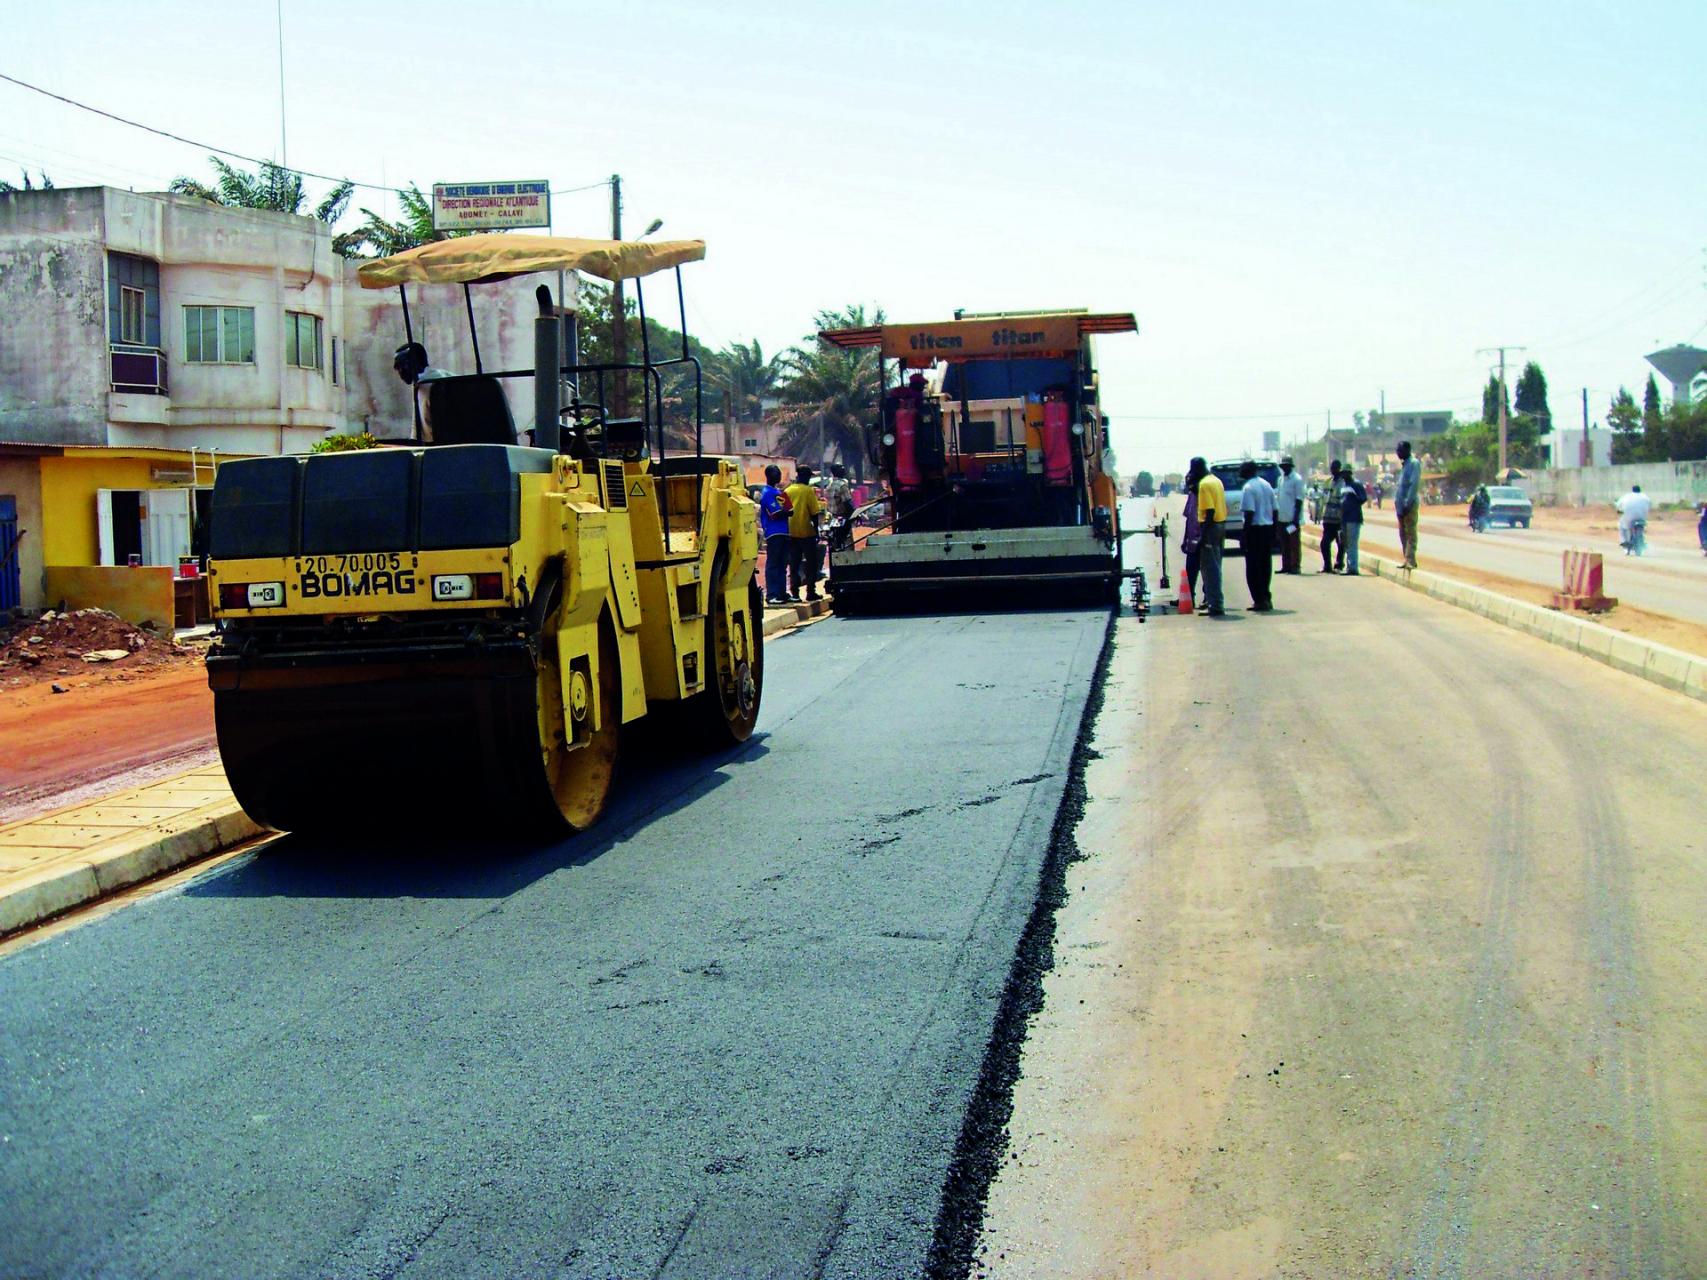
<point x="1488" y="351"/>
<point x="619" y="325"/>
<point x="1585" y="454"/>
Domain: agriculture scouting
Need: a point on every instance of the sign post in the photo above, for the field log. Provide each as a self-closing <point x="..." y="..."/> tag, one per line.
<point x="490" y="206"/>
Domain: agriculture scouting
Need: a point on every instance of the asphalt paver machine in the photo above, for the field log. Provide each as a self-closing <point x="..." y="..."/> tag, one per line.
<point x="454" y="633"/>
<point x="993" y="446"/>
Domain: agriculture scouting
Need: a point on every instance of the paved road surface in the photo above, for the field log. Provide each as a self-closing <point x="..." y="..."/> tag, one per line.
<point x="734" y="1034"/>
<point x="1668" y="579"/>
<point x="1386" y="961"/>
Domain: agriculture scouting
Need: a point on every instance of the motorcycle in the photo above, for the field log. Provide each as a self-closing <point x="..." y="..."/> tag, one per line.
<point x="1637" y="542"/>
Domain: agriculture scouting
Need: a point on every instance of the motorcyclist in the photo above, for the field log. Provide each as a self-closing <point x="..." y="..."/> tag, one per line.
<point x="1633" y="509"/>
<point x="1479" y="504"/>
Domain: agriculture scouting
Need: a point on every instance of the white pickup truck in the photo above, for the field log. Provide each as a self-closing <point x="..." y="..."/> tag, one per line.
<point x="1228" y="474"/>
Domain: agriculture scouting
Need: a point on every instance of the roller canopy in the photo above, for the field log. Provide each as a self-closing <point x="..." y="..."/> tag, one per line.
<point x="981" y="338"/>
<point x="499" y="256"/>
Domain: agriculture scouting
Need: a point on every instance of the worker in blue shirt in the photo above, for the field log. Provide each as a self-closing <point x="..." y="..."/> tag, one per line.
<point x="773" y="517"/>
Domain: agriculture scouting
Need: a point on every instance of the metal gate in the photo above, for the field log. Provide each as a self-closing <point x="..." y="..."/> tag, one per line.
<point x="10" y="582"/>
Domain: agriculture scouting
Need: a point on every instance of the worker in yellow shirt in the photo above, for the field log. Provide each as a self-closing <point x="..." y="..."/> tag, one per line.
<point x="803" y="559"/>
<point x="1212" y="521"/>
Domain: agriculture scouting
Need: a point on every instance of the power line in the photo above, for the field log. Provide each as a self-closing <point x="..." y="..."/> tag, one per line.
<point x="226" y="151"/>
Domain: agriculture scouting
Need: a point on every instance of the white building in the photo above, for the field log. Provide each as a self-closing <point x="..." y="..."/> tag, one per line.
<point x="144" y="336"/>
<point x="1572" y="447"/>
<point x="154" y="320"/>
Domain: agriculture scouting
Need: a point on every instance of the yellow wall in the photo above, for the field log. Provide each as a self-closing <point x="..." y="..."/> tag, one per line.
<point x="70" y="532"/>
<point x="139" y="594"/>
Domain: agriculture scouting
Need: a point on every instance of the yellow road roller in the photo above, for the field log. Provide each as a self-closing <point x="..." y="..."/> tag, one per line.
<point x="453" y="629"/>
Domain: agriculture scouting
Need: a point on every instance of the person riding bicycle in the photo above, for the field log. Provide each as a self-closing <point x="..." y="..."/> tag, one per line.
<point x="1480" y="504"/>
<point x="1633" y="509"/>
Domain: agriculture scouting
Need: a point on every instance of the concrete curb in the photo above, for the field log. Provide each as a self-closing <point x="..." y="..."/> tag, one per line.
<point x="782" y="618"/>
<point x="119" y="862"/>
<point x="1659" y="664"/>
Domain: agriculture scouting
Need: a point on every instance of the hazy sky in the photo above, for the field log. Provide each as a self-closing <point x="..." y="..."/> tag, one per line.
<point x="1305" y="204"/>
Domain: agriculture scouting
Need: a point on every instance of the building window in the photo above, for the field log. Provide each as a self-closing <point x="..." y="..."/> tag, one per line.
<point x="133" y="300"/>
<point x="133" y="310"/>
<point x="302" y="340"/>
<point x="750" y="442"/>
<point x="219" y="335"/>
<point x="334" y="362"/>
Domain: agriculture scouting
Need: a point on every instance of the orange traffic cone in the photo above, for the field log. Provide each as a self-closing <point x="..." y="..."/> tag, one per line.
<point x="1184" y="594"/>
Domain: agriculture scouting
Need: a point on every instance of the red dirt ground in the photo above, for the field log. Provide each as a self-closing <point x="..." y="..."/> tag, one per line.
<point x="107" y="733"/>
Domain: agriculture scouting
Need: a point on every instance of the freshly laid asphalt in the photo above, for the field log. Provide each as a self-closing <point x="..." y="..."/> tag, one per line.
<point x="731" y="1033"/>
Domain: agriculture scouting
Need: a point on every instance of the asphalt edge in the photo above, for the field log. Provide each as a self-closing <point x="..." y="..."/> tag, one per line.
<point x="1672" y="669"/>
<point x="146" y="855"/>
<point x="983" y="1137"/>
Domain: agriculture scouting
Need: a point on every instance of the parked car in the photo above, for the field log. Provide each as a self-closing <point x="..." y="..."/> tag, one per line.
<point x="1509" y="505"/>
<point x="1228" y="474"/>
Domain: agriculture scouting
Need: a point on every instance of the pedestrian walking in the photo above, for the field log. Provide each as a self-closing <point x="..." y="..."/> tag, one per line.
<point x="1212" y="526"/>
<point x="1331" y="517"/>
<point x="1289" y="517"/>
<point x="1407" y="502"/>
<point x="803" y="535"/>
<point x="1190" y="543"/>
<point x="773" y="522"/>
<point x="1256" y="501"/>
<point x="1351" y="521"/>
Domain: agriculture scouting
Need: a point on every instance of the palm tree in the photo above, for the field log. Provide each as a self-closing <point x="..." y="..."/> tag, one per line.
<point x="749" y="377"/>
<point x="271" y="187"/>
<point x="381" y="237"/>
<point x="46" y="184"/>
<point x="830" y="395"/>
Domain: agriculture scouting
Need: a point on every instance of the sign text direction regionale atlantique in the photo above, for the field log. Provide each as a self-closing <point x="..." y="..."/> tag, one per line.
<point x="490" y="206"/>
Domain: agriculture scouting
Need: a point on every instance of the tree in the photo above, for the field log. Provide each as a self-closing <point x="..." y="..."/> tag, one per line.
<point x="1491" y="401"/>
<point x="1144" y="486"/>
<point x="1626" y="423"/>
<point x="597" y="344"/>
<point x="831" y="394"/>
<point x="380" y="238"/>
<point x="46" y="183"/>
<point x="1652" y="411"/>
<point x="270" y="187"/>
<point x="1532" y="394"/>
<point x="749" y="377"/>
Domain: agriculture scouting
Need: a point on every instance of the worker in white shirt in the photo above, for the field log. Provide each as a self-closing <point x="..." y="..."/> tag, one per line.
<point x="1289" y="515"/>
<point x="1633" y="510"/>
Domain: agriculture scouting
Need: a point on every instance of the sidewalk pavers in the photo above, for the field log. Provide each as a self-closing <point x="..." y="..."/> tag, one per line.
<point x="58" y="861"/>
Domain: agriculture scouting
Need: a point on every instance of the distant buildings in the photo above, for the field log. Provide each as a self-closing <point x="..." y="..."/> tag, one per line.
<point x="1412" y="424"/>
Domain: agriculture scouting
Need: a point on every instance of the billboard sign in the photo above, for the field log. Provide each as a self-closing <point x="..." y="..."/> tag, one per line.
<point x="1271" y="442"/>
<point x="490" y="206"/>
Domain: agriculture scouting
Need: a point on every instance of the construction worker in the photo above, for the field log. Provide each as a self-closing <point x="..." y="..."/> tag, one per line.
<point x="773" y="517"/>
<point x="1212" y="525"/>
<point x="803" y="535"/>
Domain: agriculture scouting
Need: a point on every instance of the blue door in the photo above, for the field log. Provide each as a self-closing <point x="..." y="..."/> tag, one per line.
<point x="10" y="596"/>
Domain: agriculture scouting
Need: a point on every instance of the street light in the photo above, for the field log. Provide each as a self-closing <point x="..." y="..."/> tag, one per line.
<point x="656" y="223"/>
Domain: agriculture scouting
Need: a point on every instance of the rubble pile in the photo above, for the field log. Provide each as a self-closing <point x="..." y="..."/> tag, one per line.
<point x="77" y="643"/>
